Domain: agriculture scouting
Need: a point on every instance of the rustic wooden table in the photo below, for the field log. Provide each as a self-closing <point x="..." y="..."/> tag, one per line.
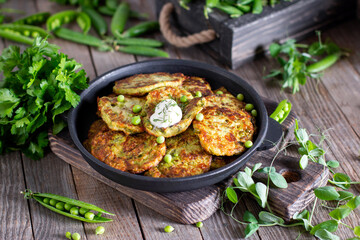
<point x="333" y="103"/>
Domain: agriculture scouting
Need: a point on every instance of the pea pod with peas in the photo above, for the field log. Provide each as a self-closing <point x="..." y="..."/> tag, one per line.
<point x="282" y="111"/>
<point x="35" y="19"/>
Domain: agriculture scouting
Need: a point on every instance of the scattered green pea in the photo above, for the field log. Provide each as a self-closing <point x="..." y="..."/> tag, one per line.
<point x="160" y="139"/>
<point x="68" y="206"/>
<point x="249" y="107"/>
<point x="121" y="98"/>
<point x="136" y="120"/>
<point x="76" y="236"/>
<point x="198" y="94"/>
<point x="68" y="235"/>
<point x="183" y="99"/>
<point x="74" y="211"/>
<point x="176" y="154"/>
<point x="219" y="92"/>
<point x="53" y="202"/>
<point x="199" y="117"/>
<point x="136" y="108"/>
<point x="167" y="158"/>
<point x="199" y="224"/>
<point x="131" y="115"/>
<point x="99" y="230"/>
<point x="83" y="211"/>
<point x="240" y="97"/>
<point x="60" y="206"/>
<point x="89" y="215"/>
<point x="169" y="229"/>
<point x="46" y="200"/>
<point x="248" y="144"/>
<point x="254" y="112"/>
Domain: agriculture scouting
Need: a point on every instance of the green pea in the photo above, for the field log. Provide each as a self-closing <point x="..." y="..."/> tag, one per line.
<point x="254" y="112"/>
<point x="198" y="94"/>
<point x="136" y="120"/>
<point x="183" y="99"/>
<point x="167" y="158"/>
<point x="89" y="215"/>
<point x="176" y="154"/>
<point x="35" y="34"/>
<point x="248" y="144"/>
<point x="249" y="107"/>
<point x="136" y="108"/>
<point x="46" y="200"/>
<point x="82" y="211"/>
<point x="68" y="235"/>
<point x="219" y="92"/>
<point x="60" y="206"/>
<point x="53" y="202"/>
<point x="276" y="119"/>
<point x="76" y="236"/>
<point x="99" y="230"/>
<point x="199" y="116"/>
<point x="68" y="206"/>
<point x="286" y="107"/>
<point x="74" y="211"/>
<point x="169" y="229"/>
<point x="199" y="224"/>
<point x="27" y="33"/>
<point x="160" y="139"/>
<point x="240" y="97"/>
<point x="281" y="114"/>
<point x="121" y="98"/>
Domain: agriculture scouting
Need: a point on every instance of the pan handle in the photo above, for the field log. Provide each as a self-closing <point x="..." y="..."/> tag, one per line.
<point x="273" y="135"/>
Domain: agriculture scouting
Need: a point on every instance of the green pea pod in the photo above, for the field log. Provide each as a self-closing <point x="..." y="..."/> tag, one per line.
<point x="138" y="15"/>
<point x="119" y="19"/>
<point x="231" y="10"/>
<point x="84" y="22"/>
<point x="139" y="41"/>
<point x="144" y="51"/>
<point x="35" y="19"/>
<point x="106" y="11"/>
<point x="58" y="19"/>
<point x="97" y="21"/>
<point x="25" y="30"/>
<point x="282" y="111"/>
<point x="16" y="37"/>
<point x="184" y="4"/>
<point x="323" y="64"/>
<point x="141" y="28"/>
<point x="243" y="8"/>
<point x="111" y="4"/>
<point x="211" y="3"/>
<point x="257" y="7"/>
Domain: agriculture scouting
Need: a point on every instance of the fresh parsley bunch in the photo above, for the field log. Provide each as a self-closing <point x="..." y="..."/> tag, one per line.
<point x="39" y="85"/>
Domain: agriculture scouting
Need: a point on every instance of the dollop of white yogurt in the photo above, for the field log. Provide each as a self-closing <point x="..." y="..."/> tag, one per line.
<point x="167" y="113"/>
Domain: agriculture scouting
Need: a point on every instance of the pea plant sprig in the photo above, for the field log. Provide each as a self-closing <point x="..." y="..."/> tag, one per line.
<point x="345" y="201"/>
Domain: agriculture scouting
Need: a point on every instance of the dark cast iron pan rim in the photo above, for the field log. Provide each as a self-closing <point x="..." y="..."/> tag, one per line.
<point x="191" y="64"/>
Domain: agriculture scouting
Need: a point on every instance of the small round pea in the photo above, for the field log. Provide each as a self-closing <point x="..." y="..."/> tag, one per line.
<point x="198" y="94"/>
<point x="46" y="200"/>
<point x="27" y="33"/>
<point x="60" y="206"/>
<point x="183" y="99"/>
<point x="82" y="211"/>
<point x="121" y="98"/>
<point x="286" y="107"/>
<point x="136" y="120"/>
<point x="176" y="154"/>
<point x="219" y="92"/>
<point x="68" y="235"/>
<point x="281" y="114"/>
<point x="254" y="112"/>
<point x="199" y="224"/>
<point x="76" y="236"/>
<point x="249" y="107"/>
<point x="248" y="144"/>
<point x="53" y="202"/>
<point x="74" y="211"/>
<point x="199" y="117"/>
<point x="240" y="97"/>
<point x="99" y="230"/>
<point x="169" y="229"/>
<point x="276" y="118"/>
<point x="136" y="108"/>
<point x="167" y="158"/>
<point x="35" y="34"/>
<point x="89" y="215"/>
<point x="68" y="206"/>
<point x="160" y="139"/>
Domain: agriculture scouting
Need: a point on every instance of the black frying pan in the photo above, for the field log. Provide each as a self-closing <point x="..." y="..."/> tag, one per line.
<point x="81" y="117"/>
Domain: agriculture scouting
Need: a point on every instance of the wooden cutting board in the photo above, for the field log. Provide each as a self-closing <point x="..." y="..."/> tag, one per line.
<point x="197" y="205"/>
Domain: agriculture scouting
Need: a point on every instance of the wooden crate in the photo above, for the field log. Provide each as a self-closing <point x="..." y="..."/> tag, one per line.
<point x="240" y="39"/>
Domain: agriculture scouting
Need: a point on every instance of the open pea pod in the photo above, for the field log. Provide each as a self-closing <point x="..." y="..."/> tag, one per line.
<point x="282" y="111"/>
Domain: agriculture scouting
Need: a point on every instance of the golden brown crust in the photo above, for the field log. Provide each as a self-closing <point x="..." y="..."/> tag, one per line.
<point x="194" y="84"/>
<point x="140" y="84"/>
<point x="220" y="161"/>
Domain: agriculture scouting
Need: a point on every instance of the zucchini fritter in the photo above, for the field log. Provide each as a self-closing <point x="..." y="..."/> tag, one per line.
<point x="117" y="115"/>
<point x="225" y="100"/>
<point x="194" y="84"/>
<point x="224" y="131"/>
<point x="188" y="157"/>
<point x="140" y="84"/>
<point x="220" y="161"/>
<point x="189" y="110"/>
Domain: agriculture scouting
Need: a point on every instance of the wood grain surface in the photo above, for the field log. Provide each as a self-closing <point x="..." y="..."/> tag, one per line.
<point x="332" y="103"/>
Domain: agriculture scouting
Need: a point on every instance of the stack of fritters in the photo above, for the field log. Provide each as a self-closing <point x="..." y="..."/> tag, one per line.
<point x="195" y="146"/>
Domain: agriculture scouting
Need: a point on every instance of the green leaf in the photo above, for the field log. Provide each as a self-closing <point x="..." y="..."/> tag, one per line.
<point x="231" y="194"/>
<point x="353" y="203"/>
<point x="249" y="217"/>
<point x="317" y="152"/>
<point x="250" y="229"/>
<point x="340" y="212"/>
<point x="248" y="171"/>
<point x="270" y="218"/>
<point x="341" y="177"/>
<point x="303" y="161"/>
<point x="357" y="231"/>
<point x="245" y="180"/>
<point x="274" y="49"/>
<point x="330" y="225"/>
<point x="278" y="180"/>
<point x="261" y="192"/>
<point x="8" y="102"/>
<point x="267" y="170"/>
<point x="332" y="164"/>
<point x="323" y="234"/>
<point x="304" y="217"/>
<point x="344" y="196"/>
<point x="256" y="167"/>
<point x="326" y="193"/>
